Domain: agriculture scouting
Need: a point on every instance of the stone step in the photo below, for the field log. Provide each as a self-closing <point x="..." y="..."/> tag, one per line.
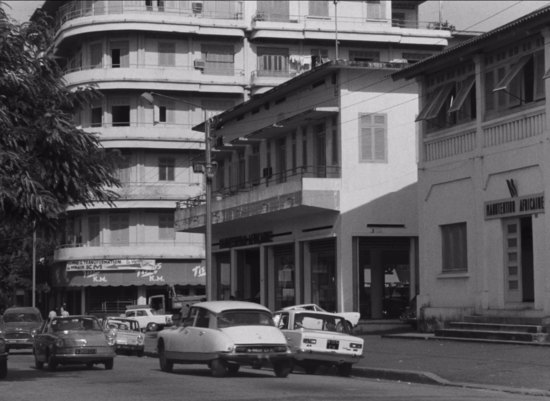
<point x="498" y="319"/>
<point x="492" y="335"/>
<point x="495" y="327"/>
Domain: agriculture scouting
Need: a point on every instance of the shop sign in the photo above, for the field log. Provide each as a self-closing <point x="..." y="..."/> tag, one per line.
<point x="111" y="265"/>
<point x="242" y="240"/>
<point x="516" y="206"/>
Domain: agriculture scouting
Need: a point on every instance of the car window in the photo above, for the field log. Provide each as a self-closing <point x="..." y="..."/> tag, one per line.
<point x="245" y="318"/>
<point x="130" y="313"/>
<point x="74" y="324"/>
<point x="21" y="317"/>
<point x="203" y="318"/>
<point x="281" y="320"/>
<point x="312" y="321"/>
<point x="141" y="313"/>
<point x="190" y="319"/>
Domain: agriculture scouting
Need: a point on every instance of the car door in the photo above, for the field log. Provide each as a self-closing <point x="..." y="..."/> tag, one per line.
<point x="192" y="339"/>
<point x="179" y="340"/>
<point x="42" y="340"/>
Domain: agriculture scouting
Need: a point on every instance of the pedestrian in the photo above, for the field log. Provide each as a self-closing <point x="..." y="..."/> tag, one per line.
<point x="52" y="314"/>
<point x="63" y="310"/>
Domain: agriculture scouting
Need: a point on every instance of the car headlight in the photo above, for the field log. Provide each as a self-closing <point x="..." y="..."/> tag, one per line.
<point x="59" y="343"/>
<point x="310" y="341"/>
<point x="356" y="346"/>
<point x="111" y="339"/>
<point x="34" y="332"/>
<point x="140" y="339"/>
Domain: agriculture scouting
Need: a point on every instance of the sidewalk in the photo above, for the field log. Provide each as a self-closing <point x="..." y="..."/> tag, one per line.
<point x="421" y="358"/>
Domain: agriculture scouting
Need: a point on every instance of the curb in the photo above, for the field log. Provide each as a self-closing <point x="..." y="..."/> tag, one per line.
<point x="433" y="379"/>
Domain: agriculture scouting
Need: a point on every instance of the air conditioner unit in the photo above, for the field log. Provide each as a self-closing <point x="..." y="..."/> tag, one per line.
<point x="196" y="6"/>
<point x="199" y="64"/>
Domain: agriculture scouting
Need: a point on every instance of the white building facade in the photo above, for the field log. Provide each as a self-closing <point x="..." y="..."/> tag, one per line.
<point x="159" y="65"/>
<point x="483" y="175"/>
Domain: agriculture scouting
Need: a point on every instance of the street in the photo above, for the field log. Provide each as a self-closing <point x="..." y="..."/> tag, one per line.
<point x="136" y="378"/>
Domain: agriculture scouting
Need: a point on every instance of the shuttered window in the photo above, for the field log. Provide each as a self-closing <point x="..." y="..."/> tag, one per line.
<point x="167" y="54"/>
<point x="219" y="59"/>
<point x="318" y="8"/>
<point x="373" y="138"/>
<point x="119" y="226"/>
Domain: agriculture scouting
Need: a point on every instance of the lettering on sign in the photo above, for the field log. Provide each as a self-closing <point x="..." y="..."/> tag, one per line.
<point x="256" y="238"/>
<point x="199" y="271"/>
<point x="524" y="205"/>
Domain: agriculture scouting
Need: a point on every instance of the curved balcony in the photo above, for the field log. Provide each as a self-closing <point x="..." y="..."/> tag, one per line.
<point x="154" y="77"/>
<point x="150" y="136"/>
<point x="145" y="250"/>
<point x="79" y="17"/>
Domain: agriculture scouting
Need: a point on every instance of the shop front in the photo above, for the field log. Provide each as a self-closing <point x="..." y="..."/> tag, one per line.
<point x="108" y="285"/>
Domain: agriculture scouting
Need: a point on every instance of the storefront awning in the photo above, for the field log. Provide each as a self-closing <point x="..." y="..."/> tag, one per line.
<point x="164" y="273"/>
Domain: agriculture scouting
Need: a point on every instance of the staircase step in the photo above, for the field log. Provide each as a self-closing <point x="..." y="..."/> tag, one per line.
<point x="495" y="319"/>
<point x="492" y="335"/>
<point x="495" y="327"/>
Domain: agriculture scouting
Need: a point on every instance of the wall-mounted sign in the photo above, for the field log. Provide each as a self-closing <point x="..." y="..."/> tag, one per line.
<point x="256" y="238"/>
<point x="111" y="265"/>
<point x="516" y="206"/>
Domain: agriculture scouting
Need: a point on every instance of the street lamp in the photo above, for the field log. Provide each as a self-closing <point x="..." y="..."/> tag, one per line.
<point x="208" y="169"/>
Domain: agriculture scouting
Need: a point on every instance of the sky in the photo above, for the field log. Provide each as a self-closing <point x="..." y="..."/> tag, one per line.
<point x="473" y="15"/>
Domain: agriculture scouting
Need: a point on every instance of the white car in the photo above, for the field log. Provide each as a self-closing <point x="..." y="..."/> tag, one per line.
<point x="225" y="335"/>
<point x="351" y="317"/>
<point x="319" y="338"/>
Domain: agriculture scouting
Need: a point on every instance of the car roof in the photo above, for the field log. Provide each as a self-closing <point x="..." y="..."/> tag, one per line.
<point x="23" y="309"/>
<point x="306" y="311"/>
<point x="221" y="306"/>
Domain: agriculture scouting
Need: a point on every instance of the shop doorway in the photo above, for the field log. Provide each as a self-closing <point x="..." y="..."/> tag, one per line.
<point x="518" y="269"/>
<point x="248" y="275"/>
<point x="384" y="277"/>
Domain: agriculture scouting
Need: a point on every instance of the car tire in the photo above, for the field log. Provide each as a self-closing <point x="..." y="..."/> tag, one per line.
<point x="3" y="369"/>
<point x="218" y="368"/>
<point x="52" y="363"/>
<point x="344" y="369"/>
<point x="233" y="368"/>
<point x="166" y="365"/>
<point x="282" y="368"/>
<point x="257" y="364"/>
<point x="109" y="364"/>
<point x="310" y="367"/>
<point x="89" y="365"/>
<point x="38" y="364"/>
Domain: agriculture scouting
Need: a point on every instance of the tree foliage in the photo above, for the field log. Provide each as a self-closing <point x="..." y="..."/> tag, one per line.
<point x="46" y="162"/>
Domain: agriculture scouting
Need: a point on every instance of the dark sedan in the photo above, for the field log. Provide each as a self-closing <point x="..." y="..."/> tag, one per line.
<point x="20" y="324"/>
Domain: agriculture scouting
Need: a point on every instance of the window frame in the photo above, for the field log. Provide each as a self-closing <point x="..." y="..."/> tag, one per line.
<point x="454" y="247"/>
<point x="373" y="126"/>
<point x="166" y="227"/>
<point x="167" y="168"/>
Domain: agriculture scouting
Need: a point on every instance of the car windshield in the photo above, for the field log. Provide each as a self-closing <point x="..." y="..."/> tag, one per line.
<point x="316" y="321"/>
<point x="244" y="318"/>
<point x="75" y="324"/>
<point x="21" y="317"/>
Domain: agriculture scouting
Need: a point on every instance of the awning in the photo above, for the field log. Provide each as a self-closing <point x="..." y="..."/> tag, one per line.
<point x="165" y="273"/>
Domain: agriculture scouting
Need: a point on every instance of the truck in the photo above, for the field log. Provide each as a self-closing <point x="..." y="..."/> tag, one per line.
<point x="145" y="314"/>
<point x="174" y="302"/>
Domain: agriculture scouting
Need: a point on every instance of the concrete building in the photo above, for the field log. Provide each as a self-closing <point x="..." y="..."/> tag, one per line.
<point x="483" y="174"/>
<point x="160" y="65"/>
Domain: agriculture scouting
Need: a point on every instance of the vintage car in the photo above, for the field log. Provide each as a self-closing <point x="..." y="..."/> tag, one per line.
<point x="19" y="325"/>
<point x="3" y="356"/>
<point x="351" y="317"/>
<point x="73" y="340"/>
<point x="225" y="335"/>
<point x="319" y="338"/>
<point x="128" y="335"/>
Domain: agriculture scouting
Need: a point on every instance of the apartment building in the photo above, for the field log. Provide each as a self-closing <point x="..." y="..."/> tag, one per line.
<point x="162" y="67"/>
<point x="483" y="174"/>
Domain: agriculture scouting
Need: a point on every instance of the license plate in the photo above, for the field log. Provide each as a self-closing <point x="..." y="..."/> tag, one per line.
<point x="333" y="344"/>
<point x="85" y="351"/>
<point x="259" y="350"/>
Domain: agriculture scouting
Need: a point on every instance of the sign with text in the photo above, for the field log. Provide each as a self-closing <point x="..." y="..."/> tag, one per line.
<point x="111" y="265"/>
<point x="523" y="205"/>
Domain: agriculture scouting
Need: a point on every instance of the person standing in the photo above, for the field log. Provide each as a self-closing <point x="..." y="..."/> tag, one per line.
<point x="63" y="310"/>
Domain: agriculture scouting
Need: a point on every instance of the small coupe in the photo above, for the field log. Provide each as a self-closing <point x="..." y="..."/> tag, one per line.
<point x="225" y="335"/>
<point x="128" y="335"/>
<point x="319" y="339"/>
<point x="351" y="317"/>
<point x="20" y="324"/>
<point x="73" y="340"/>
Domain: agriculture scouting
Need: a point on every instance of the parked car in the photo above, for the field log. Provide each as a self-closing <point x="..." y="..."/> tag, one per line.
<point x="351" y="317"/>
<point x="144" y="314"/>
<point x="3" y="356"/>
<point x="20" y="325"/>
<point x="319" y="338"/>
<point x="128" y="335"/>
<point x="73" y="340"/>
<point x="225" y="335"/>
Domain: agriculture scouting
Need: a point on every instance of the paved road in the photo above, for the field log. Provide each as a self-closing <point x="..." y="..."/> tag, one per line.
<point x="136" y="379"/>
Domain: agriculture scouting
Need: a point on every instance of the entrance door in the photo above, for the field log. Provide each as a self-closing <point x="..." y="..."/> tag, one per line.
<point x="518" y="269"/>
<point x="248" y="275"/>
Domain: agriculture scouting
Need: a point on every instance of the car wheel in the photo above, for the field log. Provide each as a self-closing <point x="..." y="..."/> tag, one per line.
<point x="166" y="365"/>
<point x="52" y="363"/>
<point x="310" y="367"/>
<point x="282" y="368"/>
<point x="38" y="364"/>
<point x="219" y="368"/>
<point x="344" y="369"/>
<point x="257" y="364"/>
<point x="3" y="369"/>
<point x="109" y="364"/>
<point x="89" y="365"/>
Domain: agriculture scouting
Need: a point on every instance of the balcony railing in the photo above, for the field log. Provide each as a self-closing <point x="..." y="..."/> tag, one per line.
<point x="514" y="128"/>
<point x="79" y="9"/>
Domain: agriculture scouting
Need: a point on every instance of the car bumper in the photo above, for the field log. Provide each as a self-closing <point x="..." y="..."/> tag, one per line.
<point x="129" y="347"/>
<point x="77" y="356"/>
<point x="253" y="358"/>
<point x="302" y="355"/>
<point x="15" y="343"/>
